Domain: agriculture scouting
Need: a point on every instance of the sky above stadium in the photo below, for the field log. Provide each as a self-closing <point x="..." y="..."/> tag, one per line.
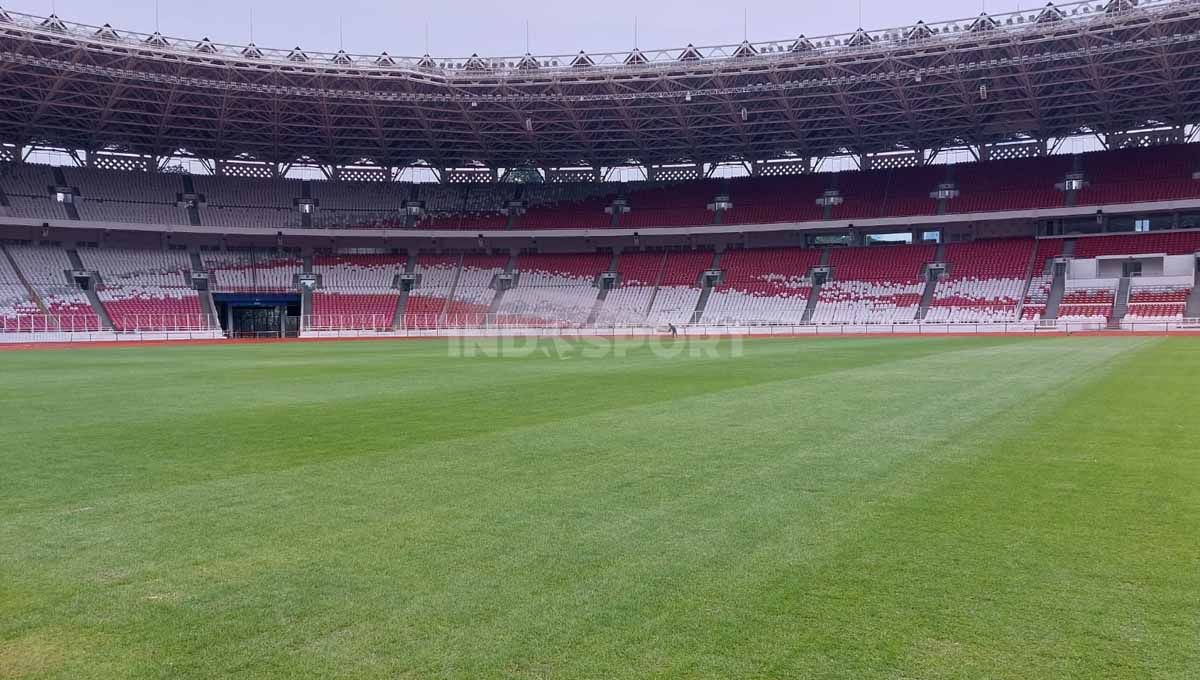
<point x="499" y="29"/>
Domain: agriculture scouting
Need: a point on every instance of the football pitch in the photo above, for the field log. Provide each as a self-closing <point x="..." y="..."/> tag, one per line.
<point x="844" y="508"/>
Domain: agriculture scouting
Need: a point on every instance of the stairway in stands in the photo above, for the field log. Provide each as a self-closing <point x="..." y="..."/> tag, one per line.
<point x="706" y="290"/>
<point x="207" y="303"/>
<point x="931" y="283"/>
<point x="814" y="294"/>
<point x="93" y="298"/>
<point x="306" y="294"/>
<point x="60" y="179"/>
<point x="193" y="210"/>
<point x="1192" y="311"/>
<point x="1121" y="305"/>
<point x="494" y="307"/>
<point x="1059" y="287"/>
<point x="602" y="294"/>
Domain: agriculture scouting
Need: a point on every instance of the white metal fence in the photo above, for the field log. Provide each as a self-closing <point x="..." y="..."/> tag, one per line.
<point x="123" y="323"/>
<point x="136" y="323"/>
<point x="152" y="326"/>
<point x="425" y="324"/>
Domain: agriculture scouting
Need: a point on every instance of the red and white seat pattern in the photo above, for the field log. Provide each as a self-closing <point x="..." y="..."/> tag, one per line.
<point x="252" y="271"/>
<point x="873" y="285"/>
<point x="1088" y="300"/>
<point x="45" y="268"/>
<point x="133" y="308"/>
<point x="1037" y="297"/>
<point x="15" y="303"/>
<point x="427" y="301"/>
<point x="1150" y="300"/>
<point x="553" y="290"/>
<point x="356" y="291"/>
<point x="679" y="288"/>
<point x="345" y="310"/>
<point x="453" y="291"/>
<point x="629" y="303"/>
<point x="146" y="289"/>
<point x="985" y="282"/>
<point x="762" y="286"/>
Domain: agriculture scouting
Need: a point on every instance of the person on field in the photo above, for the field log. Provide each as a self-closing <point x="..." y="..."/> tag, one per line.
<point x="674" y="331"/>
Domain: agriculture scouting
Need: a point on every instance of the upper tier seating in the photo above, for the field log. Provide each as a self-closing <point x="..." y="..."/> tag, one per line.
<point x="767" y="200"/>
<point x="1021" y="184"/>
<point x="1113" y="177"/>
<point x="119" y="196"/>
<point x="1149" y="243"/>
<point x="883" y="193"/>
<point x="1136" y="175"/>
<point x="672" y="205"/>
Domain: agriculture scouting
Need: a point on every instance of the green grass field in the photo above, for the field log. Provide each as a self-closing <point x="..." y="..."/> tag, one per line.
<point x="851" y="508"/>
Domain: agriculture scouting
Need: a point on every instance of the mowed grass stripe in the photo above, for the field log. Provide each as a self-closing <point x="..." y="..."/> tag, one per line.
<point x="531" y="556"/>
<point x="164" y="426"/>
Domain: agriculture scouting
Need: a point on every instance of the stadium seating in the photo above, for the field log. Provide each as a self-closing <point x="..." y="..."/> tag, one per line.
<point x="45" y="269"/>
<point x="144" y="289"/>
<point x="1020" y="184"/>
<point x="1088" y="300"/>
<point x="1153" y="299"/>
<point x="17" y="309"/>
<point x="1136" y="175"/>
<point x="553" y="290"/>
<point x="1149" y="243"/>
<point x="1113" y="177"/>
<point x="766" y="200"/>
<point x="985" y="281"/>
<point x="252" y="271"/>
<point x="874" y="285"/>
<point x="629" y="302"/>
<point x="342" y="310"/>
<point x="453" y="291"/>
<point x="356" y="291"/>
<point x="762" y="286"/>
<point x="679" y="289"/>
<point x="671" y="205"/>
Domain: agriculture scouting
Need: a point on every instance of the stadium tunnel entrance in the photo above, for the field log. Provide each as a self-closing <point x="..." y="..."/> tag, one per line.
<point x="245" y="315"/>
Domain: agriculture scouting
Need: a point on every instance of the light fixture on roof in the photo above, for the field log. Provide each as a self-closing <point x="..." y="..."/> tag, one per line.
<point x="687" y="97"/>
<point x="745" y="115"/>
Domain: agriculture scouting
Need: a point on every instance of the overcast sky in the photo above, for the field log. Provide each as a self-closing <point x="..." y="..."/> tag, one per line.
<point x="460" y="27"/>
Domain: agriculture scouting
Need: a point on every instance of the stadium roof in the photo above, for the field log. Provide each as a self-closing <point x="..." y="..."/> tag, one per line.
<point x="1104" y="66"/>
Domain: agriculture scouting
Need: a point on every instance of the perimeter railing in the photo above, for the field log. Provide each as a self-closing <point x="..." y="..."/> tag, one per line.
<point x="138" y="323"/>
<point x="449" y="323"/>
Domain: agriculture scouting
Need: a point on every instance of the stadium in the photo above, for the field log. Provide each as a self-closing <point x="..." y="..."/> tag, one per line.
<point x="865" y="355"/>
